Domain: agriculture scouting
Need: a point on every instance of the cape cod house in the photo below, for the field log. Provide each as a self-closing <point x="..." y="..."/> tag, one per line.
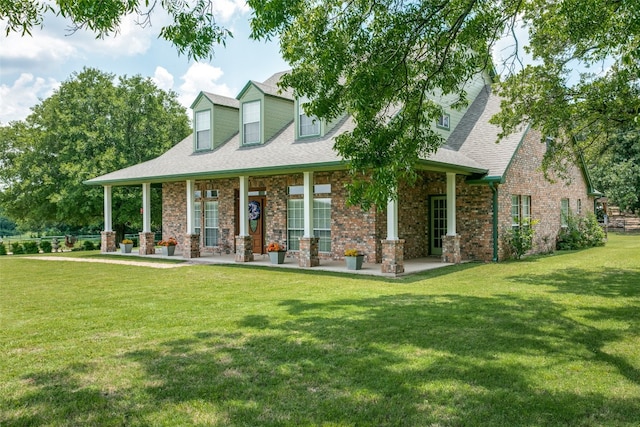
<point x="257" y="170"/>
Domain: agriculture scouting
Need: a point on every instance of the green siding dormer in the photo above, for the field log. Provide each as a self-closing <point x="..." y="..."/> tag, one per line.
<point x="222" y="114"/>
<point x="275" y="112"/>
<point x="323" y="125"/>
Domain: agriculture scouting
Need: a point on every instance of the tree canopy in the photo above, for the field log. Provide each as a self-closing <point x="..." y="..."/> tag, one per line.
<point x="379" y="60"/>
<point x="90" y="126"/>
<point x="193" y="31"/>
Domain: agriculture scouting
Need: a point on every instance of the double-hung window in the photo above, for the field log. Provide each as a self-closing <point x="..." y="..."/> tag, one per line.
<point x="321" y="223"/>
<point x="211" y="223"/>
<point x="308" y="125"/>
<point x="203" y="130"/>
<point x="251" y="122"/>
<point x="564" y="212"/>
<point x="520" y="210"/>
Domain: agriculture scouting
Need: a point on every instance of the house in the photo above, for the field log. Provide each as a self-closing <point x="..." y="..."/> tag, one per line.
<point x="257" y="170"/>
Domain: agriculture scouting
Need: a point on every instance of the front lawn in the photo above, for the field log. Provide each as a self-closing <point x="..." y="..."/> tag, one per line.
<point x="545" y="341"/>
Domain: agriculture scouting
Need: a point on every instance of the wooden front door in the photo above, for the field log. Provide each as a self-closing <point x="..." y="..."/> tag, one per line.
<point x="438" y="226"/>
<point x="256" y="223"/>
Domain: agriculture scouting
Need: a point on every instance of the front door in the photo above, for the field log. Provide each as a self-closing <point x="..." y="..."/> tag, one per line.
<point x="438" y="223"/>
<point x="256" y="223"/>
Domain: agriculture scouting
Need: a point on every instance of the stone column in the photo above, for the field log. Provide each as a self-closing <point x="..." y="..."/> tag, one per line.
<point x="191" y="246"/>
<point x="308" y="256"/>
<point x="393" y="256"/>
<point x="244" y="248"/>
<point x="108" y="241"/>
<point x="147" y="245"/>
<point x="451" y="249"/>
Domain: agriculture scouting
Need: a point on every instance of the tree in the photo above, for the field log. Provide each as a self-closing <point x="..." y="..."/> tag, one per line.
<point x="193" y="30"/>
<point x="379" y="61"/>
<point x="88" y="127"/>
<point x="375" y="59"/>
<point x="616" y="170"/>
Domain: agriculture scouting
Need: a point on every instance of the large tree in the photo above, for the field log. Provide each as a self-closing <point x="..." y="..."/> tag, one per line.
<point x="379" y="60"/>
<point x="88" y="127"/>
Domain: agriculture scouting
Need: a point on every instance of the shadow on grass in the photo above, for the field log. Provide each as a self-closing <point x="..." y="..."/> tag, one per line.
<point x="391" y="360"/>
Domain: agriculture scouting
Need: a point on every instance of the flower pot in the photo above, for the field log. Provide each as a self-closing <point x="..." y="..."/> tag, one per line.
<point x="354" y="262"/>
<point x="277" y="257"/>
<point x="125" y="248"/>
<point x="168" y="250"/>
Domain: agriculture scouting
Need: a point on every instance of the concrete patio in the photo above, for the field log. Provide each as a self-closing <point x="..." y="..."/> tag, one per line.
<point x="411" y="266"/>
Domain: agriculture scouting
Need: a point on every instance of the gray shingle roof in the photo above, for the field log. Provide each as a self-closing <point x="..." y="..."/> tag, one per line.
<point x="222" y="100"/>
<point x="471" y="147"/>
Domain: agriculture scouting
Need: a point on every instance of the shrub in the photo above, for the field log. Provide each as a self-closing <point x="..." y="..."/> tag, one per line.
<point x="135" y="242"/>
<point x="16" y="248"/>
<point x="31" y="247"/>
<point x="580" y="232"/>
<point x="3" y="249"/>
<point x="520" y="239"/>
<point x="88" y="245"/>
<point x="45" y="246"/>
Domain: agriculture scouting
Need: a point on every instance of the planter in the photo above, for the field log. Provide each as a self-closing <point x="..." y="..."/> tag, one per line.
<point x="168" y="250"/>
<point x="277" y="257"/>
<point x="354" y="262"/>
<point x="125" y="248"/>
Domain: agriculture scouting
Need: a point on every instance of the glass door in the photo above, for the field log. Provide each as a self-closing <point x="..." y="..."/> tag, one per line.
<point x="438" y="223"/>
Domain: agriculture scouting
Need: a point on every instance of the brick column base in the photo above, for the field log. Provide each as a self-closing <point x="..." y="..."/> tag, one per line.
<point x="308" y="256"/>
<point x="451" y="249"/>
<point x="244" y="248"/>
<point x="392" y="256"/>
<point x="191" y="246"/>
<point x="147" y="245"/>
<point x="107" y="241"/>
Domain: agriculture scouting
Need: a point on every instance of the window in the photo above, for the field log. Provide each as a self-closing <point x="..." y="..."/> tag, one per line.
<point x="295" y="223"/>
<point x="564" y="212"/>
<point x="211" y="223"/>
<point x="203" y="130"/>
<point x="520" y="210"/>
<point x="251" y="122"/>
<point x="308" y="126"/>
<point x="197" y="220"/>
<point x="321" y="223"/>
<point x="579" y="206"/>
<point x="443" y="121"/>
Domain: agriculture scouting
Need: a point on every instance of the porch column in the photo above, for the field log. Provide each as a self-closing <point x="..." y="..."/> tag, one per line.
<point x="392" y="247"/>
<point x="108" y="236"/>
<point x="192" y="240"/>
<point x="451" y="242"/>
<point x="147" y="244"/>
<point x="244" y="241"/>
<point x="308" y="256"/>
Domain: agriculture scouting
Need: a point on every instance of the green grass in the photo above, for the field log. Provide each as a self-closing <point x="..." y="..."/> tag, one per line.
<point x="546" y="341"/>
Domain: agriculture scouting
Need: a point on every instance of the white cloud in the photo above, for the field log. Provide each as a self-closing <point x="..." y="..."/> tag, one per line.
<point x="202" y="77"/>
<point x="25" y="92"/>
<point x="163" y="78"/>
<point x="223" y="10"/>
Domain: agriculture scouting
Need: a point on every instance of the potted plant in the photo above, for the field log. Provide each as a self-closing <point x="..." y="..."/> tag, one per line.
<point x="354" y="259"/>
<point x="276" y="253"/>
<point x="168" y="246"/>
<point x="126" y="245"/>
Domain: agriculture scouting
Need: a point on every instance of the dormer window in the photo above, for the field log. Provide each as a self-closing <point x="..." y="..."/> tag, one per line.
<point x="251" y="122"/>
<point x="443" y="122"/>
<point x="307" y="126"/>
<point x="203" y="130"/>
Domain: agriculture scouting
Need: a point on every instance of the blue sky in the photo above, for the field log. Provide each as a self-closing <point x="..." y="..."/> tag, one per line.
<point x="31" y="68"/>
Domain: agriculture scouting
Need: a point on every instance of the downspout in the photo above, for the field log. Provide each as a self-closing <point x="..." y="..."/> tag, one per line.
<point x="494" y="189"/>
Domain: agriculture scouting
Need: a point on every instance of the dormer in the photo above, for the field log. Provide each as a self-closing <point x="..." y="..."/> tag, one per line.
<point x="311" y="126"/>
<point x="264" y="111"/>
<point x="215" y="120"/>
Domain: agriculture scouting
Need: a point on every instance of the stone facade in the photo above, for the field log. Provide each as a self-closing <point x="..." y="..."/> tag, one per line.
<point x="393" y="256"/>
<point x="191" y="246"/>
<point x="451" y="249"/>
<point x="147" y="244"/>
<point x="108" y="241"/>
<point x="308" y="255"/>
<point x="244" y="245"/>
<point x="351" y="227"/>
